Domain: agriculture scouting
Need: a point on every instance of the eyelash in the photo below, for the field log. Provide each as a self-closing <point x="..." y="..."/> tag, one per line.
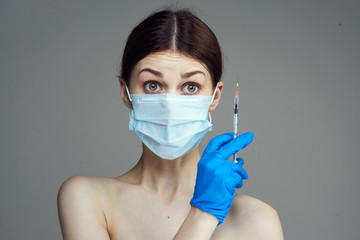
<point x="146" y="87"/>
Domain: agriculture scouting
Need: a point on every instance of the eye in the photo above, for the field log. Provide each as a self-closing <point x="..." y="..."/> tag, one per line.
<point x="190" y="88"/>
<point x="152" y="86"/>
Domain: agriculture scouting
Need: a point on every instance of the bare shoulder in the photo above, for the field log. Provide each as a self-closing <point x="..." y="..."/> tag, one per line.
<point x="252" y="218"/>
<point x="81" y="204"/>
<point x="81" y="186"/>
<point x="253" y="209"/>
<point x="95" y="192"/>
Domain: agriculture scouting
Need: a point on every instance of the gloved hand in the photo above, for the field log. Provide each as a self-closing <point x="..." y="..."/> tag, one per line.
<point x="217" y="178"/>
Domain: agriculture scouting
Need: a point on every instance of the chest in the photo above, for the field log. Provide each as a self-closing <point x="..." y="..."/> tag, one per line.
<point x="152" y="225"/>
<point x="144" y="217"/>
<point x="141" y="216"/>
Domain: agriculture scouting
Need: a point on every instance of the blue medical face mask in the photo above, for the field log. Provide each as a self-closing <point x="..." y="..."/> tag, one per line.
<point x="170" y="125"/>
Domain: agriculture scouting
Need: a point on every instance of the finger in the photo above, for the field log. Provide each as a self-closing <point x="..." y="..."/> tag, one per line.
<point x="217" y="142"/>
<point x="243" y="173"/>
<point x="236" y="144"/>
<point x="240" y="184"/>
<point x="237" y="181"/>
<point x="240" y="161"/>
<point x="240" y="170"/>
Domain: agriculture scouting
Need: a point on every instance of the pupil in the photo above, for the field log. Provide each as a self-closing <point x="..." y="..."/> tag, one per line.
<point x="191" y="88"/>
<point x="152" y="86"/>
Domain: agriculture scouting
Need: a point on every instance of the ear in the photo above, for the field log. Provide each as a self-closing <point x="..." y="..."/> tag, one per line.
<point x="124" y="93"/>
<point x="217" y="96"/>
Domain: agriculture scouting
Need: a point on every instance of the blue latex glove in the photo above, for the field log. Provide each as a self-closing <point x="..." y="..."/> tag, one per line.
<point x="217" y="178"/>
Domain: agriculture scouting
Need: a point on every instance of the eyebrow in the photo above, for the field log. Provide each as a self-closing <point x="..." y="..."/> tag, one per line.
<point x="159" y="74"/>
<point x="156" y="73"/>
<point x="189" y="74"/>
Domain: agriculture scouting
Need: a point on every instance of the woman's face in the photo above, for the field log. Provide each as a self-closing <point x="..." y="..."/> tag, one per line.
<point x="170" y="72"/>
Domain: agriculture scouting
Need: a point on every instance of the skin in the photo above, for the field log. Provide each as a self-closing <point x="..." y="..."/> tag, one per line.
<point x="151" y="201"/>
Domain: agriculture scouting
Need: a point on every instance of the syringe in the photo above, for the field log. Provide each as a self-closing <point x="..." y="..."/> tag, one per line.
<point x="236" y="110"/>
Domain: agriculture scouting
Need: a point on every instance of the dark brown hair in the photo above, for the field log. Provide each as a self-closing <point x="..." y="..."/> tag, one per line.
<point x="168" y="29"/>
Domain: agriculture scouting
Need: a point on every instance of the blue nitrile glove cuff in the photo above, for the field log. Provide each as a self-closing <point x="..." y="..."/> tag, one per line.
<point x="220" y="211"/>
<point x="218" y="178"/>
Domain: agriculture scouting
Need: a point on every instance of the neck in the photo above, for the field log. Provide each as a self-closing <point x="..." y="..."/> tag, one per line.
<point x="168" y="178"/>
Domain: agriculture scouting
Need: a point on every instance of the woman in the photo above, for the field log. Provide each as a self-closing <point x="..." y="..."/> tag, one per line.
<point x="170" y="79"/>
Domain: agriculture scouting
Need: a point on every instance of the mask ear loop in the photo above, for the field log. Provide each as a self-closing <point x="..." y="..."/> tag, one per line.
<point x="212" y="99"/>
<point x="214" y="93"/>
<point x="128" y="93"/>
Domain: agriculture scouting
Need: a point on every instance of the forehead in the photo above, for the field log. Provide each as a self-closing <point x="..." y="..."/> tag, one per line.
<point x="172" y="61"/>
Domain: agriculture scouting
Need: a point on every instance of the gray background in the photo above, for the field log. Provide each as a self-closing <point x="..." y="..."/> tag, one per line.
<point x="298" y="65"/>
